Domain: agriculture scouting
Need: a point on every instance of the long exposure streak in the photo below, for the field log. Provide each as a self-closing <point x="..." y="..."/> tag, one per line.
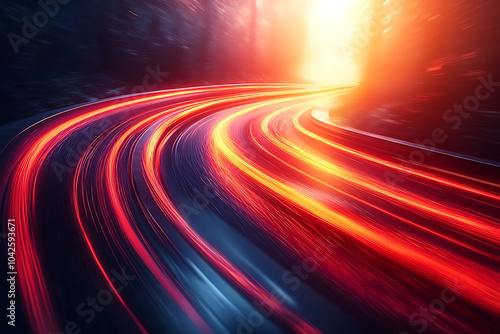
<point x="266" y="160"/>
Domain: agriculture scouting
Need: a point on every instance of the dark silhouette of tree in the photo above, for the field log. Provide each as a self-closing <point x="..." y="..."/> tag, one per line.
<point x="209" y="18"/>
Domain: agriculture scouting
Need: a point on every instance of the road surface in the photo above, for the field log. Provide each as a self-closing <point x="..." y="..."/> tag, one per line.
<point x="236" y="209"/>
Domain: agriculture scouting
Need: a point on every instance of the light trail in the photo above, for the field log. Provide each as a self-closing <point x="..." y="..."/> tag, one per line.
<point x="125" y="198"/>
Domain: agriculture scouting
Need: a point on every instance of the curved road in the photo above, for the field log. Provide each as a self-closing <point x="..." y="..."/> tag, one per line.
<point x="233" y="209"/>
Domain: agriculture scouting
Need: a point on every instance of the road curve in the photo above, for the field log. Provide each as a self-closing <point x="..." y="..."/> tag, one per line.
<point x="231" y="209"/>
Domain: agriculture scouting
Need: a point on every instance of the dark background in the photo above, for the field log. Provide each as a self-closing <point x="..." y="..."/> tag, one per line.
<point x="94" y="49"/>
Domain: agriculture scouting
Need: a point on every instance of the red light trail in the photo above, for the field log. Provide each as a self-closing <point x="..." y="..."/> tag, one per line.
<point x="295" y="180"/>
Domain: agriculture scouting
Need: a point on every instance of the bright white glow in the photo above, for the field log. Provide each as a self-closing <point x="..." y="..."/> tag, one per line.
<point x="331" y="27"/>
<point x="329" y="9"/>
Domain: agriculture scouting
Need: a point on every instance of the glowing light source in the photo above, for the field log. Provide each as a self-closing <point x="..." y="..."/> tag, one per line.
<point x="331" y="25"/>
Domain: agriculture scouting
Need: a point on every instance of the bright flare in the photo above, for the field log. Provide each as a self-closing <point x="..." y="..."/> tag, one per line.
<point x="331" y="25"/>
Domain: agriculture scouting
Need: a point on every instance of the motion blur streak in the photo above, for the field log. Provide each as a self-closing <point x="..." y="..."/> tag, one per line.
<point x="283" y="186"/>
